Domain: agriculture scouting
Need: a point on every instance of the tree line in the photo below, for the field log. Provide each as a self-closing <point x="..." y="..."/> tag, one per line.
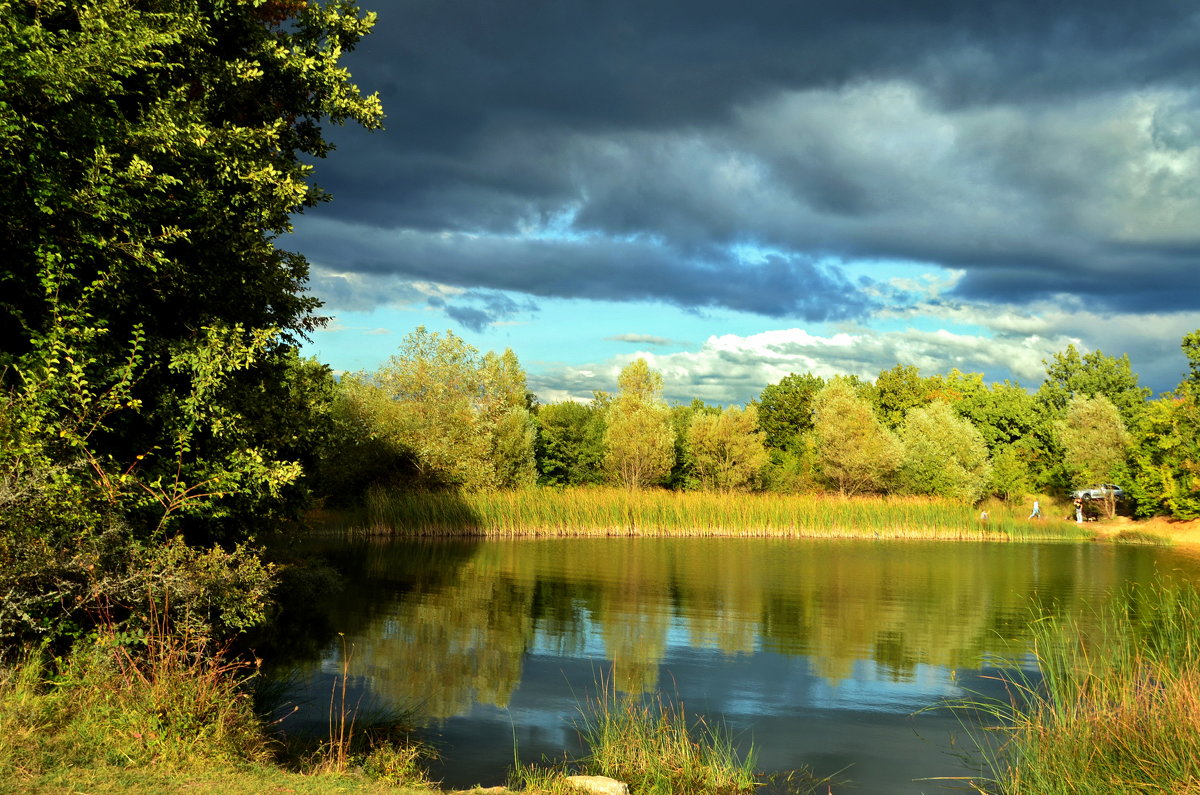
<point x="438" y="414"/>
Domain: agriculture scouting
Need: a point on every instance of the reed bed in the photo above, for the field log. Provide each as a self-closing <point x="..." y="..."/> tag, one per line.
<point x="1117" y="709"/>
<point x="620" y="512"/>
<point x="653" y="746"/>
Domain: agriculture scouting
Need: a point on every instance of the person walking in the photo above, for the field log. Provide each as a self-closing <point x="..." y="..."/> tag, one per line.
<point x="1037" y="510"/>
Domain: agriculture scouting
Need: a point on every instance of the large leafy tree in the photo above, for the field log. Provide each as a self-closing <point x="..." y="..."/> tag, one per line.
<point x="639" y="440"/>
<point x="1096" y="443"/>
<point x="462" y="418"/>
<point x="570" y="443"/>
<point x="785" y="409"/>
<point x="1070" y="374"/>
<point x="944" y="454"/>
<point x="900" y="389"/>
<point x="855" y="452"/>
<point x="1166" y="460"/>
<point x="153" y="153"/>
<point x="727" y="449"/>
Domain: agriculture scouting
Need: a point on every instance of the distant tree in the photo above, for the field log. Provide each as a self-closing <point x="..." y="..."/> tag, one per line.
<point x="505" y="414"/>
<point x="1070" y="375"/>
<point x="1165" y="462"/>
<point x="1191" y="349"/>
<point x="944" y="454"/>
<point x="855" y="452"/>
<point x="1096" y="443"/>
<point x="639" y="440"/>
<point x="1004" y="413"/>
<point x="365" y="445"/>
<point x="463" y="419"/>
<point x="435" y="380"/>
<point x="785" y="409"/>
<point x="570" y="444"/>
<point x="683" y="475"/>
<point x="795" y="469"/>
<point x="898" y="390"/>
<point x="727" y="449"/>
<point x="955" y="386"/>
<point x="1010" y="479"/>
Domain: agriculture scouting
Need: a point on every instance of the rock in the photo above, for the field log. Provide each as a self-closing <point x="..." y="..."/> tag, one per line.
<point x="599" y="785"/>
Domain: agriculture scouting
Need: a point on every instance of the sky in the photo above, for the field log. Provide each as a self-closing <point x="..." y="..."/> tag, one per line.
<point x="739" y="191"/>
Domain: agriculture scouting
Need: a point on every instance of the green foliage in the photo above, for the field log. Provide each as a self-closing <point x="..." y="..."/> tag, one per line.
<point x="1094" y="374"/>
<point x="1096" y="442"/>
<point x="795" y="469"/>
<point x="570" y="444"/>
<point x="1010" y="478"/>
<point x="656" y="749"/>
<point x="1191" y="350"/>
<point x="153" y="155"/>
<point x="1165" y="462"/>
<point x="855" y="452"/>
<point x="944" y="454"/>
<point x="365" y="442"/>
<point x="462" y="419"/>
<point x="639" y="440"/>
<point x="899" y="390"/>
<point x="727" y="449"/>
<point x="150" y="392"/>
<point x="505" y="410"/>
<point x="1004" y="414"/>
<point x="785" y="409"/>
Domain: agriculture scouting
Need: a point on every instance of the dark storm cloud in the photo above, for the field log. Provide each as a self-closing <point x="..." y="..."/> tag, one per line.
<point x="605" y="269"/>
<point x="625" y="150"/>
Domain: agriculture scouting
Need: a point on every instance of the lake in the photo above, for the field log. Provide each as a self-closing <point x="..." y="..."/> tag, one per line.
<point x="828" y="654"/>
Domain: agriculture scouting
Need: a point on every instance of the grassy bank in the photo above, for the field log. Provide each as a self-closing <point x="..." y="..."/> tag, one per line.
<point x="618" y="512"/>
<point x="1117" y="710"/>
<point x="165" y="714"/>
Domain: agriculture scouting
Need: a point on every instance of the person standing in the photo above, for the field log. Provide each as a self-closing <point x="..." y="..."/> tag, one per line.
<point x="1078" y="509"/>
<point x="1037" y="510"/>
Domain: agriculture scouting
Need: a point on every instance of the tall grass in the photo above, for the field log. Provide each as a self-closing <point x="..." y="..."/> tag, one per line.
<point x="170" y="704"/>
<point x="656" y="749"/>
<point x="651" y="746"/>
<point x="165" y="706"/>
<point x="620" y="512"/>
<point x="1116" y="710"/>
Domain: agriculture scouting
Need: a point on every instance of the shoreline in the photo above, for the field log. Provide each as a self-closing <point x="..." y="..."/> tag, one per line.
<point x="1178" y="532"/>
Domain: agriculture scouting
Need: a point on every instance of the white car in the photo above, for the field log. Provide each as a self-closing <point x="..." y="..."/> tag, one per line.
<point x="1100" y="492"/>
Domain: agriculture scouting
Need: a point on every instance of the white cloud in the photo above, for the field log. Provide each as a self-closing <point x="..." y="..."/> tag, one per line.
<point x="1011" y="343"/>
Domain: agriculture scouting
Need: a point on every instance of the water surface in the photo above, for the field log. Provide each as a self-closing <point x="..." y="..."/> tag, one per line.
<point x="821" y="653"/>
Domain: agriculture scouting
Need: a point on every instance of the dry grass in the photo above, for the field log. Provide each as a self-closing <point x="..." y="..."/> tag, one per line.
<point x="1118" y="710"/>
<point x="619" y="512"/>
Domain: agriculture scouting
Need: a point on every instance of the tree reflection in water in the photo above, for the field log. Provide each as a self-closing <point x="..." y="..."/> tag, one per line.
<point x="449" y="625"/>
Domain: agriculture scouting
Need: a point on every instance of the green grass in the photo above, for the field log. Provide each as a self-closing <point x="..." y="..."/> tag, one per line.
<point x="164" y="714"/>
<point x="654" y="747"/>
<point x="619" y="512"/>
<point x="1117" y="710"/>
